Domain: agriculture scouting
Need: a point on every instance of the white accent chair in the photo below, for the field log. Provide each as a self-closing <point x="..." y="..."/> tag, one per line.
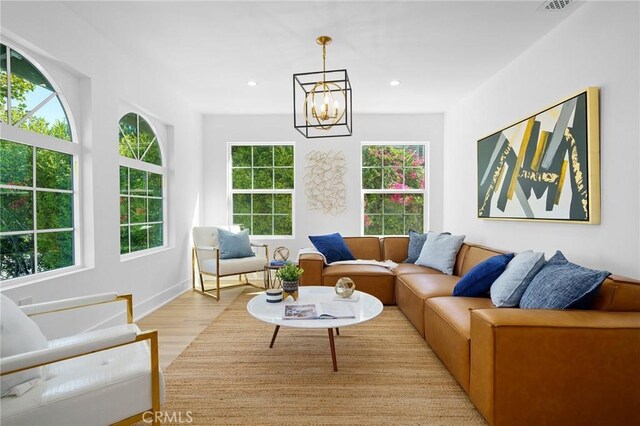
<point x="205" y="259"/>
<point x="106" y="376"/>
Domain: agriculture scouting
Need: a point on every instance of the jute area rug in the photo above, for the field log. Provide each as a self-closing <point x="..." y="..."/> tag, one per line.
<point x="387" y="374"/>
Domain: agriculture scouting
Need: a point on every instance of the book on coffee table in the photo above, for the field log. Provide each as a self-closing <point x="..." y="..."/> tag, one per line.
<point x="317" y="311"/>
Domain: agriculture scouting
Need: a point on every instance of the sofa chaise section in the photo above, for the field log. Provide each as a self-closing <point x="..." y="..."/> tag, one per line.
<point x="533" y="367"/>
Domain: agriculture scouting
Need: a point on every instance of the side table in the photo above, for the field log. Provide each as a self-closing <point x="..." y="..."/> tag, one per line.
<point x="272" y="281"/>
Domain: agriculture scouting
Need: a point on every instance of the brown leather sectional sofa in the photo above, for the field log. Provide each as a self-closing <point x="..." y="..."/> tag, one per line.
<point x="518" y="366"/>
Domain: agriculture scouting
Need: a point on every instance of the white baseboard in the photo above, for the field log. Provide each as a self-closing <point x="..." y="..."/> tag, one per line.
<point x="144" y="308"/>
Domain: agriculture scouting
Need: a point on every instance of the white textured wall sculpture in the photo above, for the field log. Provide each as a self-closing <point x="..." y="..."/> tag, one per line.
<point x="324" y="181"/>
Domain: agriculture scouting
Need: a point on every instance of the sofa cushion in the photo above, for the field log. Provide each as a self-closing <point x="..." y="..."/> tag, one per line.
<point x="413" y="289"/>
<point x="394" y="248"/>
<point x="447" y="329"/>
<point x="508" y="289"/>
<point x="473" y="255"/>
<point x="18" y="334"/>
<point x="351" y="270"/>
<point x="618" y="293"/>
<point x="367" y="248"/>
<point x="372" y="279"/>
<point x="561" y="284"/>
<point x="234" y="245"/>
<point x="477" y="282"/>
<point x="440" y="251"/>
<point x="416" y="242"/>
<point x="332" y="246"/>
<point x="410" y="268"/>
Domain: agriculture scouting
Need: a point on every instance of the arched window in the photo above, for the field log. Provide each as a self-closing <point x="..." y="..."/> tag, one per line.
<point x="142" y="178"/>
<point x="38" y="164"/>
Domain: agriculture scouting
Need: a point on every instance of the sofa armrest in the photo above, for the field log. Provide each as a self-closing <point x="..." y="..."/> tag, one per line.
<point x="555" y="367"/>
<point x="313" y="264"/>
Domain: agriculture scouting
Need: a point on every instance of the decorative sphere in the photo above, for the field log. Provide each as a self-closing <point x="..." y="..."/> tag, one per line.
<point x="281" y="254"/>
<point x="345" y="287"/>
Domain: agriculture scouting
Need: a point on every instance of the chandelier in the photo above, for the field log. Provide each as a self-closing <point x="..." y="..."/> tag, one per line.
<point x="322" y="100"/>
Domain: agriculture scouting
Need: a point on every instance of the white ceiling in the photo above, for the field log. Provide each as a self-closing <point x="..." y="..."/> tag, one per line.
<point x="440" y="50"/>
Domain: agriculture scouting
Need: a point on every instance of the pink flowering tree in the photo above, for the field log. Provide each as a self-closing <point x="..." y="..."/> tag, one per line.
<point x="397" y="175"/>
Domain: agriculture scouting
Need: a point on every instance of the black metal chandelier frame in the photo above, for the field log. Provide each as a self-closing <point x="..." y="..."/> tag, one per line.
<point x="326" y="121"/>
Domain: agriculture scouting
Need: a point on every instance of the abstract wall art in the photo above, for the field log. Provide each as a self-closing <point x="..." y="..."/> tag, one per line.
<point x="545" y="167"/>
<point x="324" y="181"/>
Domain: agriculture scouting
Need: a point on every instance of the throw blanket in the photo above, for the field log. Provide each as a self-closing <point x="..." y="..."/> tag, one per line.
<point x="389" y="264"/>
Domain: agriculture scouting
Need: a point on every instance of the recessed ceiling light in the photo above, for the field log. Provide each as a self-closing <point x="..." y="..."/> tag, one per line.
<point x="394" y="83"/>
<point x="252" y="83"/>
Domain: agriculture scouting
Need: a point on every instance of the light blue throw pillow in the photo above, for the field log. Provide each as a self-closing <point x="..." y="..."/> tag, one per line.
<point x="508" y="289"/>
<point x="234" y="246"/>
<point x="561" y="284"/>
<point x="440" y="251"/>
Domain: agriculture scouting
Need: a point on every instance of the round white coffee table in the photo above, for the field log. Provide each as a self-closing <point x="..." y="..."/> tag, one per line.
<point x="367" y="307"/>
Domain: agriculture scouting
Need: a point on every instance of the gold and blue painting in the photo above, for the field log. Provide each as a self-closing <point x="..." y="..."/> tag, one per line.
<point x="545" y="167"/>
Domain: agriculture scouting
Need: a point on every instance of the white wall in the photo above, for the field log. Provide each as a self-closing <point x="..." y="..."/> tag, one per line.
<point x="100" y="82"/>
<point x="221" y="129"/>
<point x="598" y="45"/>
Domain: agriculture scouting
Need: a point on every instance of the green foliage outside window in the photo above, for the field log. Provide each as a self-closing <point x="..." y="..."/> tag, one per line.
<point x="262" y="182"/>
<point x="138" y="141"/>
<point x="36" y="212"/>
<point x="29" y="89"/>
<point x="141" y="210"/>
<point x="393" y="182"/>
<point x="36" y="218"/>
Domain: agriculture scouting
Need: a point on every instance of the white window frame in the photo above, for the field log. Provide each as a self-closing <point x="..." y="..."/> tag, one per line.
<point x="424" y="192"/>
<point x="73" y="147"/>
<point x="151" y="168"/>
<point x="231" y="191"/>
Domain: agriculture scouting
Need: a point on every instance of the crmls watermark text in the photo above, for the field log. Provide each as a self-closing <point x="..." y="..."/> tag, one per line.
<point x="174" y="417"/>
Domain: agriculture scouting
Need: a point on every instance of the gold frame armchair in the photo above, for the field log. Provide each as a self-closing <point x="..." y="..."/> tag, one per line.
<point x="205" y="259"/>
<point x="86" y="373"/>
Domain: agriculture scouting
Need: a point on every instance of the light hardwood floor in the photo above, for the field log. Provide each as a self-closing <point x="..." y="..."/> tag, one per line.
<point x="180" y="321"/>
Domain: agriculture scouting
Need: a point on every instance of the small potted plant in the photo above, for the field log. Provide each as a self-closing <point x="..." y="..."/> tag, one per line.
<point x="290" y="275"/>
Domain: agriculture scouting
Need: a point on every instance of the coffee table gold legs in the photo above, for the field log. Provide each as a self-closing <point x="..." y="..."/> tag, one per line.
<point x="333" y="349"/>
<point x="275" y="333"/>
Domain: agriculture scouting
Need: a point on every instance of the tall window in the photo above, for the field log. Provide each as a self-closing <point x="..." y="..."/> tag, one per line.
<point x="142" y="178"/>
<point x="262" y="188"/>
<point x="393" y="182"/>
<point x="37" y="163"/>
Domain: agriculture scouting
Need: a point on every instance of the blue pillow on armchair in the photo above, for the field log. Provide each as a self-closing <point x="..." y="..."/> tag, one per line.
<point x="332" y="246"/>
<point x="234" y="246"/>
<point x="477" y="282"/>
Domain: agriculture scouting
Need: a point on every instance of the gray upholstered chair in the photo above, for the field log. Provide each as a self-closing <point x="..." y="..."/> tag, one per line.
<point x="206" y="260"/>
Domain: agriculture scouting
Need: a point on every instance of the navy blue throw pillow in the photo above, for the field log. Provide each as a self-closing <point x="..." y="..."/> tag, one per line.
<point x="332" y="246"/>
<point x="477" y="282"/>
<point x="561" y="284"/>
